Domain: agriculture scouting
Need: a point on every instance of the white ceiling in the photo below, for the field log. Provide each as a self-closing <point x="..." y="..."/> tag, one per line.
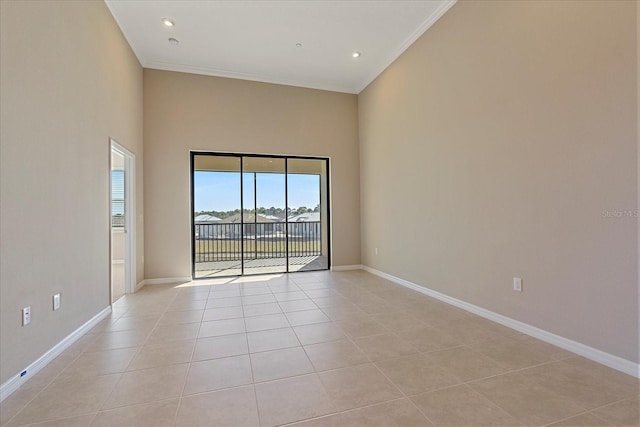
<point x="256" y="40"/>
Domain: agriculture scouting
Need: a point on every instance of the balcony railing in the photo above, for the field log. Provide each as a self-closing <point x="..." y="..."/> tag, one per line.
<point x="228" y="242"/>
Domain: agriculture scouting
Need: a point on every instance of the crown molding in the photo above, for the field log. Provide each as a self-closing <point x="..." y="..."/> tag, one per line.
<point x="426" y="24"/>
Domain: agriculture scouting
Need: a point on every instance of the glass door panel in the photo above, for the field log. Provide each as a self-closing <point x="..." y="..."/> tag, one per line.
<point x="217" y="234"/>
<point x="307" y="197"/>
<point x="264" y="204"/>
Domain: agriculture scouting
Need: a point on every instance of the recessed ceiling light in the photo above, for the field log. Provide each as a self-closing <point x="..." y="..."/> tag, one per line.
<point x="168" y="22"/>
<point x="356" y="54"/>
<point x="173" y="41"/>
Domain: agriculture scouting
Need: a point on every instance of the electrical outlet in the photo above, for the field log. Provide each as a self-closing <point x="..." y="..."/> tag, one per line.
<point x="376" y="250"/>
<point x="26" y="316"/>
<point x="56" y="302"/>
<point x="517" y="284"/>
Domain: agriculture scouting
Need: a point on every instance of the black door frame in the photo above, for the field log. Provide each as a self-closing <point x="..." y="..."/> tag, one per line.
<point x="193" y="154"/>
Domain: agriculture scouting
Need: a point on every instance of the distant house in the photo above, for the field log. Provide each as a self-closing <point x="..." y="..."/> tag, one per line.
<point x="305" y="225"/>
<point x="204" y="228"/>
<point x="254" y="225"/>
<point x="306" y="217"/>
<point x="205" y="219"/>
<point x="248" y="219"/>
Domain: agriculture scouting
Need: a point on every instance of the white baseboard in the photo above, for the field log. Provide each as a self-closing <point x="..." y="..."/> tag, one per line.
<point x="604" y="358"/>
<point x="16" y="381"/>
<point x="347" y="267"/>
<point x="164" y="281"/>
<point x="139" y="286"/>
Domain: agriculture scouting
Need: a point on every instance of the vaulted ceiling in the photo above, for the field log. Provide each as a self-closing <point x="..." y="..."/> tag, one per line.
<point x="308" y="43"/>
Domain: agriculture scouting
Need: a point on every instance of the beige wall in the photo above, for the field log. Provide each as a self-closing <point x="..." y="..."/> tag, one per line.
<point x="69" y="81"/>
<point x="185" y="112"/>
<point x="491" y="149"/>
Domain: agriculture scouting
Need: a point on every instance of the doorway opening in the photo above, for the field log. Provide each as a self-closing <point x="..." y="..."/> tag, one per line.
<point x="258" y="214"/>
<point x="122" y="215"/>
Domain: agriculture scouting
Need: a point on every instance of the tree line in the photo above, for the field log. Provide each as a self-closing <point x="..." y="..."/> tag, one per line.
<point x="272" y="211"/>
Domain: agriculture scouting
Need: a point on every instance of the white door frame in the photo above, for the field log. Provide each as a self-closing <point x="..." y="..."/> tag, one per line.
<point x="129" y="217"/>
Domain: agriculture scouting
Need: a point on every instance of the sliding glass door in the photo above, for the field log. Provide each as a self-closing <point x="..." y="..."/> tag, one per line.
<point x="258" y="214"/>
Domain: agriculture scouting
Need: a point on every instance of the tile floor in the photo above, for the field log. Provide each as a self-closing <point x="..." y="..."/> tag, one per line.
<point x="318" y="349"/>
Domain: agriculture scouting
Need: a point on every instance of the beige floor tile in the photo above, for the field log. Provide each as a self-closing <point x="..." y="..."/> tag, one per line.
<point x="290" y="296"/>
<point x="292" y="399"/>
<point x="67" y="398"/>
<point x="216" y="374"/>
<point x="148" y="385"/>
<point x="258" y="299"/>
<point x="223" y="302"/>
<point x="626" y="384"/>
<point x="222" y="346"/>
<point x="335" y="354"/>
<point x="336" y="301"/>
<point x="362" y="327"/>
<point x="99" y="363"/>
<point x="397" y="321"/>
<point x="226" y="293"/>
<point x="577" y="384"/>
<point x="130" y="323"/>
<point x="335" y="420"/>
<point x="397" y="413"/>
<point x="14" y="403"/>
<point x="273" y="339"/>
<point x="171" y="333"/>
<point x="527" y="401"/>
<point x="358" y="386"/>
<point x="445" y="318"/>
<point x="319" y="332"/>
<point x="465" y="363"/>
<point x="137" y="363"/>
<point x="307" y="317"/>
<point x="276" y="364"/>
<point x="187" y="305"/>
<point x="261" y="290"/>
<point x="624" y="413"/>
<point x="178" y="317"/>
<point x="221" y="327"/>
<point x="79" y="421"/>
<point x="193" y="296"/>
<point x="285" y="286"/>
<point x="384" y="346"/>
<point x="157" y="414"/>
<point x="321" y="293"/>
<point x="222" y="313"/>
<point x="263" y="323"/>
<point x="344" y="313"/>
<point x="461" y="406"/>
<point x="426" y="339"/>
<point x="261" y="309"/>
<point x="234" y="407"/>
<point x="416" y="374"/>
<point x="469" y="333"/>
<point x="154" y="355"/>
<point x="511" y="354"/>
<point x="375" y="308"/>
<point x="542" y="347"/>
<point x="298" y="305"/>
<point x="582" y="420"/>
<point x="121" y="339"/>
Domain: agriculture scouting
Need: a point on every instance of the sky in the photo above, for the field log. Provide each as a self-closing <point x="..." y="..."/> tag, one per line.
<point x="220" y="191"/>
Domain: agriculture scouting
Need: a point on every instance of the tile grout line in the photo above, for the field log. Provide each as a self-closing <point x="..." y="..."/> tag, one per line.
<point x="193" y="350"/>
<point x="253" y="383"/>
